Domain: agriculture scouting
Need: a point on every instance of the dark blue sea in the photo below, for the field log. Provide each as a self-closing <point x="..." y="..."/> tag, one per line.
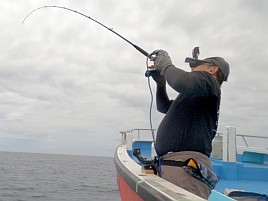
<point x="51" y="177"/>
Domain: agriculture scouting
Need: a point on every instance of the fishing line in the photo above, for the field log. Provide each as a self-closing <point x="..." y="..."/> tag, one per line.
<point x="150" y="118"/>
<point x="152" y="100"/>
<point x="148" y="56"/>
<point x="101" y="24"/>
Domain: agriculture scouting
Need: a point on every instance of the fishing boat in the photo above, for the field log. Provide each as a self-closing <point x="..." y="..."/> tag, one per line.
<point x="243" y="170"/>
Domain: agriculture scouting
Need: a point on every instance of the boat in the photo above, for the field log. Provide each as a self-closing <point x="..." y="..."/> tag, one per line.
<point x="243" y="170"/>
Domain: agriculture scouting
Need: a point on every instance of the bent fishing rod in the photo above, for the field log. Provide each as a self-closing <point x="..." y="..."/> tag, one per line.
<point x="101" y="24"/>
<point x="148" y="73"/>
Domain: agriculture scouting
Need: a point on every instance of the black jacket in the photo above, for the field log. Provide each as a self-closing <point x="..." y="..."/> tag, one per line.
<point x="190" y="123"/>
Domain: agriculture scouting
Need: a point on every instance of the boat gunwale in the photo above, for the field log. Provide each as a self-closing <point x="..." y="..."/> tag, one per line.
<point x="145" y="187"/>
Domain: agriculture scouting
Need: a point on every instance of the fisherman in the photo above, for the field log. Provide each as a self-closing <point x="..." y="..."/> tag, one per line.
<point x="190" y="122"/>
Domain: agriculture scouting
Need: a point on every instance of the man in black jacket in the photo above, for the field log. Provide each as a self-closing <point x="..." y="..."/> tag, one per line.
<point x="191" y="120"/>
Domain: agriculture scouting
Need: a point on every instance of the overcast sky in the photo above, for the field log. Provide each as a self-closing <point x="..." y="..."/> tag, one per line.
<point x="67" y="85"/>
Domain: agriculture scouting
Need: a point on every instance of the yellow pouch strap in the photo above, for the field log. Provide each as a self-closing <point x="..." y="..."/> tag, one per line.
<point x="192" y="163"/>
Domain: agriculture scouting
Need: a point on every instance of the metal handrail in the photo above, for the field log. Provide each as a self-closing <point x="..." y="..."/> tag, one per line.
<point x="138" y="131"/>
<point x="124" y="133"/>
<point x="249" y="136"/>
<point x="243" y="136"/>
<point x="218" y="134"/>
<point x="254" y="136"/>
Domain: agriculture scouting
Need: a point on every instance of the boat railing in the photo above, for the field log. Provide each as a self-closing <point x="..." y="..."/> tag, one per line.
<point x="244" y="138"/>
<point x="250" y="136"/>
<point x="230" y="147"/>
<point x="138" y="132"/>
<point x="141" y="134"/>
<point x="226" y="143"/>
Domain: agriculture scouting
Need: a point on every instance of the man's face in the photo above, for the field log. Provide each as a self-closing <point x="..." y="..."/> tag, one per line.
<point x="203" y="67"/>
<point x="210" y="68"/>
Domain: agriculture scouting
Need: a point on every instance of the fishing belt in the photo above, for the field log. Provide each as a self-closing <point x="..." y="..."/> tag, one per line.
<point x="196" y="169"/>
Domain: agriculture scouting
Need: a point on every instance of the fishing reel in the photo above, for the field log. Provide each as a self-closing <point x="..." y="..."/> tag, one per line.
<point x="152" y="72"/>
<point x="151" y="68"/>
<point x="193" y="62"/>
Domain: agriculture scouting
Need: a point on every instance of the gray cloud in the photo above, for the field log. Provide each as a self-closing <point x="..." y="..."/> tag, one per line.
<point x="69" y="86"/>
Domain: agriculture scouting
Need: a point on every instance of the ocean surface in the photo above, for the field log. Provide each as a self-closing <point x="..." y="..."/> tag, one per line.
<point x="51" y="177"/>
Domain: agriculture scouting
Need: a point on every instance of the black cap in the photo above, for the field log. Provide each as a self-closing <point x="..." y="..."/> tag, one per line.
<point x="217" y="61"/>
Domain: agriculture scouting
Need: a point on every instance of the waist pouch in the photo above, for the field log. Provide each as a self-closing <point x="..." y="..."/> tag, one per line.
<point x="196" y="169"/>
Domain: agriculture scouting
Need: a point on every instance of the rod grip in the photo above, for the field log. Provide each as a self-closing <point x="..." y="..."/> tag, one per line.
<point x="141" y="50"/>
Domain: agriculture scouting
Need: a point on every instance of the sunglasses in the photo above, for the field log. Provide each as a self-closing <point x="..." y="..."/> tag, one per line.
<point x="194" y="62"/>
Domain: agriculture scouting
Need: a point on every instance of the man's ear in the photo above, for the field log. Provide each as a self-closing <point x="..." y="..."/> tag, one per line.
<point x="215" y="70"/>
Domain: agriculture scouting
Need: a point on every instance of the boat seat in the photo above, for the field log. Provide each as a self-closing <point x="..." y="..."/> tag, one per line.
<point x="253" y="157"/>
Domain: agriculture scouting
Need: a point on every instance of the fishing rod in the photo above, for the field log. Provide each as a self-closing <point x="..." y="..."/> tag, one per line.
<point x="149" y="71"/>
<point x="110" y="29"/>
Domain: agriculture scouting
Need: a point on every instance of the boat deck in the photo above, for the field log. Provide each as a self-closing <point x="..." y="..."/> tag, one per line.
<point x="249" y="173"/>
<point x="241" y="175"/>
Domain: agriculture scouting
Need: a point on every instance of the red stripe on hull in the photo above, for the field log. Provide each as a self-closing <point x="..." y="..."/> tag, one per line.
<point x="126" y="193"/>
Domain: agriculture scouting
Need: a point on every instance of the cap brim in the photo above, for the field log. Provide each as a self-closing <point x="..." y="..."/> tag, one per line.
<point x="194" y="62"/>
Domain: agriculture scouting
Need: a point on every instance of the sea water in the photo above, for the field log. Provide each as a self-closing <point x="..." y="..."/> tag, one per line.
<point x="51" y="177"/>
